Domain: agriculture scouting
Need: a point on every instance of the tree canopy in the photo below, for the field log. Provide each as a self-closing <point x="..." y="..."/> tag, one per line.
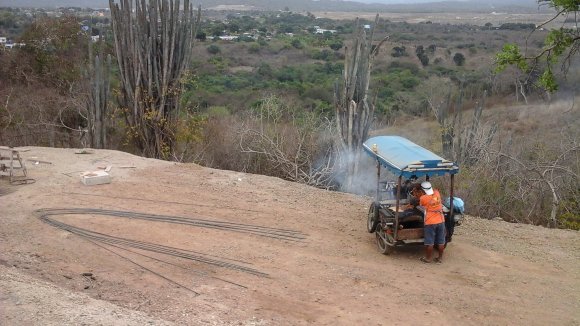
<point x="560" y="45"/>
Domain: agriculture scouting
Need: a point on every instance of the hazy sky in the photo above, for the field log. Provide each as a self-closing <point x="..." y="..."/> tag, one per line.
<point x="85" y="2"/>
<point x="104" y="3"/>
<point x="524" y="2"/>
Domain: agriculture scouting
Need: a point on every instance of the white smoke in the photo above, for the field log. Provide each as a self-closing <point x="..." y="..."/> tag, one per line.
<point x="364" y="181"/>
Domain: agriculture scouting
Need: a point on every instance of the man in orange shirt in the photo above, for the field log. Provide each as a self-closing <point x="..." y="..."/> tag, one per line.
<point x="434" y="222"/>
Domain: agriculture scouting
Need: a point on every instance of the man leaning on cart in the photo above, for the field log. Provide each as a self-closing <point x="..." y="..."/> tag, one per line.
<point x="434" y="222"/>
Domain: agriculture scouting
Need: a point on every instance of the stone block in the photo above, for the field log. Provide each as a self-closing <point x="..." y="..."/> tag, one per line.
<point x="95" y="178"/>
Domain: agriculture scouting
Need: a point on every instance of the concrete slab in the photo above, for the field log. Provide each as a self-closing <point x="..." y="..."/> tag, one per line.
<point x="95" y="178"/>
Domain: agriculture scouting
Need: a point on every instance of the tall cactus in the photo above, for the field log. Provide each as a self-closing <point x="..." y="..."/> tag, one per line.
<point x="97" y="106"/>
<point x="153" y="43"/>
<point x="354" y="112"/>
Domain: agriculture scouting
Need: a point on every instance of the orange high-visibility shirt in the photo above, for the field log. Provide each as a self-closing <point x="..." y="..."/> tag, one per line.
<point x="433" y="208"/>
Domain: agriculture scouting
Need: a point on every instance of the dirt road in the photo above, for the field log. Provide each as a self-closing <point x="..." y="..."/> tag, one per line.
<point x="495" y="273"/>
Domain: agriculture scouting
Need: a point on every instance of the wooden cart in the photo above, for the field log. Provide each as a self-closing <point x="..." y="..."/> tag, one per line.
<point x="390" y="216"/>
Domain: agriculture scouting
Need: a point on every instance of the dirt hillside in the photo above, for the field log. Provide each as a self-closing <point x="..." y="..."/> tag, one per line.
<point x="213" y="247"/>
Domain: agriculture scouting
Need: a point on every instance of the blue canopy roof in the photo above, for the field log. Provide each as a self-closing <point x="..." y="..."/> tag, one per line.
<point x="405" y="158"/>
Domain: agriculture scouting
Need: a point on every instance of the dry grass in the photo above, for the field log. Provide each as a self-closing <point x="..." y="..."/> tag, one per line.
<point x="545" y="122"/>
<point x="521" y="123"/>
<point x="473" y="18"/>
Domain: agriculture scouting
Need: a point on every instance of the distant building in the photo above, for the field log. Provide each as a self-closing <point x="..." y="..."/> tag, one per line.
<point x="14" y="45"/>
<point x="228" y="37"/>
<point x="322" y="31"/>
<point x="250" y="35"/>
<point x="3" y="40"/>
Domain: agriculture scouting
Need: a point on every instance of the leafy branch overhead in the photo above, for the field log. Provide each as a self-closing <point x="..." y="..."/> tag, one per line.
<point x="560" y="46"/>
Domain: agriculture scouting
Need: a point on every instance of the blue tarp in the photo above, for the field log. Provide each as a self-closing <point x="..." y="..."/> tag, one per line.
<point x="404" y="158"/>
<point x="458" y="204"/>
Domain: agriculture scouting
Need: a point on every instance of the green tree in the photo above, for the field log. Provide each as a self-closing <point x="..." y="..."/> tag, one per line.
<point x="560" y="46"/>
<point x="234" y="28"/>
<point x="431" y="49"/>
<point x="58" y="48"/>
<point x="201" y="36"/>
<point x="336" y="45"/>
<point x="420" y="52"/>
<point x="399" y="51"/>
<point x="459" y="59"/>
<point x="7" y="20"/>
<point x="254" y="48"/>
<point x="213" y="49"/>
<point x="265" y="70"/>
<point x="218" y="29"/>
<point x="297" y="43"/>
<point x="43" y="85"/>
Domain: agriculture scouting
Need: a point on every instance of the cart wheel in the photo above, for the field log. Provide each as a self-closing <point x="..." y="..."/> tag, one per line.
<point x="383" y="244"/>
<point x="373" y="218"/>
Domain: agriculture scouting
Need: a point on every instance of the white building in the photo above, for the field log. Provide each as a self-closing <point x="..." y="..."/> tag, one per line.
<point x="3" y="40"/>
<point x="228" y="37"/>
<point x="14" y="45"/>
<point x="322" y="31"/>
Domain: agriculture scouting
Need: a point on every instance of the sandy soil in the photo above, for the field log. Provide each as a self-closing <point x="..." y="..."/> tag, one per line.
<point x="495" y="273"/>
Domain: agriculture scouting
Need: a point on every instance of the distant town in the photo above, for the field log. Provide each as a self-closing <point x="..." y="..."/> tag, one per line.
<point x="14" y="20"/>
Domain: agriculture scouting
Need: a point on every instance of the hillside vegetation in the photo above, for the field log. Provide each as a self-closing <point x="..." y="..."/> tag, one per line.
<point x="259" y="98"/>
<point x="238" y="272"/>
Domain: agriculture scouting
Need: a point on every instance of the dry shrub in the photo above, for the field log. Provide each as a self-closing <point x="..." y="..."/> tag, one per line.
<point x="533" y="155"/>
<point x="527" y="182"/>
<point x="569" y="211"/>
<point x="219" y="147"/>
<point x="273" y="139"/>
<point x="41" y="87"/>
<point x="36" y="115"/>
<point x="292" y="144"/>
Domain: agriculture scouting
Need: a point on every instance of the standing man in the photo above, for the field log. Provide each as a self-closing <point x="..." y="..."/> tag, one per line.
<point x="434" y="222"/>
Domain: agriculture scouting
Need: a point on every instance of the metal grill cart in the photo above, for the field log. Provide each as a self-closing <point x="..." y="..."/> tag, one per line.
<point x="393" y="216"/>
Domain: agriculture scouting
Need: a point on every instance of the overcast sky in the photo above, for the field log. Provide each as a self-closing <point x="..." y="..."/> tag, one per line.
<point x="523" y="2"/>
<point x="104" y="3"/>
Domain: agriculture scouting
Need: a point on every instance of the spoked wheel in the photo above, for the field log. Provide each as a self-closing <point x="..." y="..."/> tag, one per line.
<point x="373" y="218"/>
<point x="385" y="242"/>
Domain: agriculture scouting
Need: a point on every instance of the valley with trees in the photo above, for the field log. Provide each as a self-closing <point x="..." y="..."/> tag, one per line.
<point x="292" y="93"/>
<point x="254" y="82"/>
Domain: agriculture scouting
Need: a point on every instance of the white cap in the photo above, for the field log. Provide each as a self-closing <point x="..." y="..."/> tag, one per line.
<point x="427" y="187"/>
